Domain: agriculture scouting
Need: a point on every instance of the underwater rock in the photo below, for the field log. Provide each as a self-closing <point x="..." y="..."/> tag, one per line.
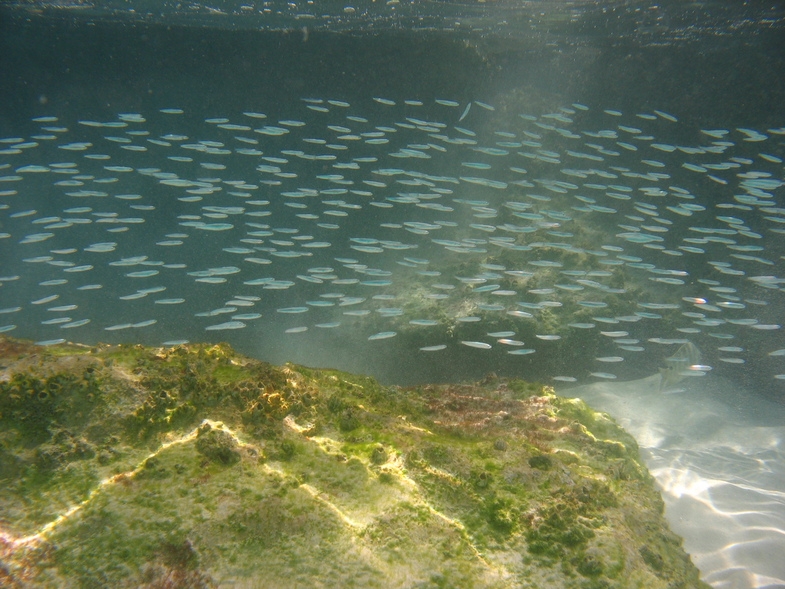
<point x="198" y="466"/>
<point x="217" y="445"/>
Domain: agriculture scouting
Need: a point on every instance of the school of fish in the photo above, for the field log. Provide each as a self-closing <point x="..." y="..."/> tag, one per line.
<point x="466" y="224"/>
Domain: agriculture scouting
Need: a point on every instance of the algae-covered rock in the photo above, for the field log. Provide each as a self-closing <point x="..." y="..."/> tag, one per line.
<point x="194" y="466"/>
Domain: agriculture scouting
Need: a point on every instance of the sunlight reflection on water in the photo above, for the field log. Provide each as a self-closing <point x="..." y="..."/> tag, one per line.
<point x="719" y="456"/>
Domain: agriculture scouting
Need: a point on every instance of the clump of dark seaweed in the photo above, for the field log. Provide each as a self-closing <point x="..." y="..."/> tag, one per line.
<point x="184" y="383"/>
<point x="176" y="568"/>
<point x="562" y="528"/>
<point x="217" y="445"/>
<point x="34" y="405"/>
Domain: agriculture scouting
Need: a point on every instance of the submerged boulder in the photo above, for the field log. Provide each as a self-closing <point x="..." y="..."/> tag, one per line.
<point x="194" y="466"/>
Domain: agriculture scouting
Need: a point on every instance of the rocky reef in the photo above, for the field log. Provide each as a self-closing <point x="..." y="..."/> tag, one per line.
<point x="194" y="466"/>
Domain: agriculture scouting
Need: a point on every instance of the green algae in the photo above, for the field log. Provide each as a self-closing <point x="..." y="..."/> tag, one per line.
<point x="202" y="466"/>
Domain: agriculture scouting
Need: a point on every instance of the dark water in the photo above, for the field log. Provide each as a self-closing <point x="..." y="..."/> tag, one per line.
<point x="712" y="78"/>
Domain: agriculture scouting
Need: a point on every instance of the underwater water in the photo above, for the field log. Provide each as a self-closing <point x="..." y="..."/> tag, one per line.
<point x="571" y="198"/>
